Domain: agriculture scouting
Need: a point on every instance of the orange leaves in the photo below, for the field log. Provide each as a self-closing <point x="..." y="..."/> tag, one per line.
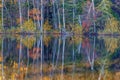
<point x="18" y="20"/>
<point x="35" y="14"/>
<point x="36" y="50"/>
<point x="1" y="58"/>
<point x="1" y="6"/>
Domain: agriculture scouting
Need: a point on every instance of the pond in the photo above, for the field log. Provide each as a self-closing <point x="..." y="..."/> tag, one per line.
<point x="59" y="57"/>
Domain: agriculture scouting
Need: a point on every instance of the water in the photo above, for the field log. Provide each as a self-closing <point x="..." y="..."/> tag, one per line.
<point x="56" y="57"/>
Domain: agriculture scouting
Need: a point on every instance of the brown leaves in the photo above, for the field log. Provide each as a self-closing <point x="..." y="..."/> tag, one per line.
<point x="86" y="25"/>
<point x="1" y="58"/>
<point x="86" y="43"/>
<point x="34" y="53"/>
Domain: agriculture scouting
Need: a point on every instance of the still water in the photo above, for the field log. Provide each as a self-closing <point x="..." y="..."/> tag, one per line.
<point x="46" y="57"/>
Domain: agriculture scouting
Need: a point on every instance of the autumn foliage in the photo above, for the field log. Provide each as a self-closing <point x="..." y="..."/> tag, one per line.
<point x="34" y="53"/>
<point x="35" y="14"/>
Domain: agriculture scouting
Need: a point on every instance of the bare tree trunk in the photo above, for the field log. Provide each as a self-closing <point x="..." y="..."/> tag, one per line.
<point x="41" y="16"/>
<point x="20" y="14"/>
<point x="2" y="60"/>
<point x="63" y="13"/>
<point x="63" y="52"/>
<point x="2" y="13"/>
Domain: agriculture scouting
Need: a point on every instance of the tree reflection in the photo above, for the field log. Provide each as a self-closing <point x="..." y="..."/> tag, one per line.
<point x="90" y="51"/>
<point x="61" y="59"/>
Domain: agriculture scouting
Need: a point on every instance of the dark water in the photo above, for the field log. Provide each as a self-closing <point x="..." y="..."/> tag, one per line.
<point x="45" y="57"/>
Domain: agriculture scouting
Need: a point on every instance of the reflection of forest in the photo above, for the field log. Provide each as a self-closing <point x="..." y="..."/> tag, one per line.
<point x="79" y="76"/>
<point x="30" y="57"/>
<point x="50" y="73"/>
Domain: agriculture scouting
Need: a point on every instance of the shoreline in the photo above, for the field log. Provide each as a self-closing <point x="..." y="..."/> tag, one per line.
<point x="60" y="33"/>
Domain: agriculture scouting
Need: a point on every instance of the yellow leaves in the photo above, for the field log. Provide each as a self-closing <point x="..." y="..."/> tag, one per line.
<point x="15" y="65"/>
<point x="76" y="40"/>
<point x="29" y="41"/>
<point x="23" y="69"/>
<point x="46" y="78"/>
<point x="111" y="44"/>
<point x="46" y="40"/>
<point x="0" y="77"/>
<point x="13" y="76"/>
<point x="14" y="1"/>
<point x="29" y="26"/>
<point x="112" y="25"/>
<point x="47" y="26"/>
<point x="11" y="71"/>
<point x="77" y="29"/>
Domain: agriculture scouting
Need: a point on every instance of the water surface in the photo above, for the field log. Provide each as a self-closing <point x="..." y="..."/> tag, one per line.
<point x="46" y="57"/>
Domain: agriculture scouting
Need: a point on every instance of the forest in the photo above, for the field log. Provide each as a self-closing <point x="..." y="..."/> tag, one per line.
<point x="59" y="39"/>
<point x="60" y="16"/>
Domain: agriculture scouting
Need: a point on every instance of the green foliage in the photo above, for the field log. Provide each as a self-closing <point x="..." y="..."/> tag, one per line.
<point x="73" y="9"/>
<point x="105" y="7"/>
<point x="116" y="15"/>
<point x="79" y="6"/>
<point x="0" y="22"/>
<point x="71" y="6"/>
<point x="1" y="27"/>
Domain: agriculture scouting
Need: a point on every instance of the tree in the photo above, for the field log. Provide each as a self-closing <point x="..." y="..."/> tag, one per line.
<point x="29" y="41"/>
<point x="29" y="26"/>
<point x="35" y="14"/>
<point x="111" y="26"/>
